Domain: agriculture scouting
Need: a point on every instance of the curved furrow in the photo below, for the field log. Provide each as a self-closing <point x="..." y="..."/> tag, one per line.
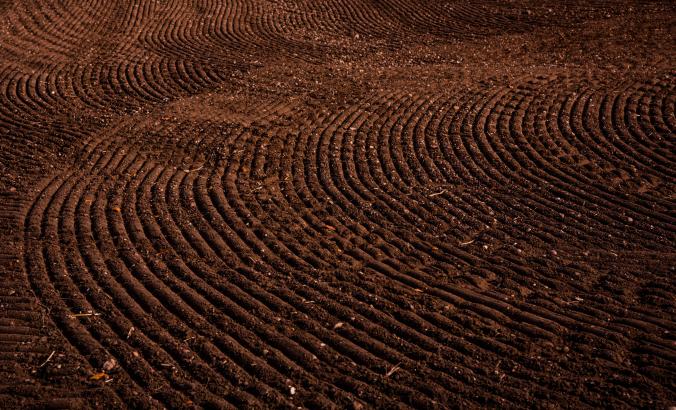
<point x="211" y="218"/>
<point x="186" y="294"/>
<point x="98" y="261"/>
<point x="649" y="130"/>
<point x="580" y="117"/>
<point x="272" y="337"/>
<point x="299" y="302"/>
<point x="498" y="173"/>
<point x="148" y="341"/>
<point x="416" y="283"/>
<point x="339" y="204"/>
<point x="45" y="283"/>
<point x="582" y="135"/>
<point x="668" y="109"/>
<point x="584" y="165"/>
<point x="418" y="322"/>
<point x="135" y="289"/>
<point x="544" y="165"/>
<point x="135" y="299"/>
<point x="517" y="133"/>
<point x="114" y="279"/>
<point x="552" y="172"/>
<point x="255" y="243"/>
<point x="248" y="296"/>
<point x="488" y="170"/>
<point x="321" y="352"/>
<point x="640" y="206"/>
<point x="636" y="122"/>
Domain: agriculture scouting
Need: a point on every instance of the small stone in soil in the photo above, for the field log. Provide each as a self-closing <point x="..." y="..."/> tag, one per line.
<point x="109" y="365"/>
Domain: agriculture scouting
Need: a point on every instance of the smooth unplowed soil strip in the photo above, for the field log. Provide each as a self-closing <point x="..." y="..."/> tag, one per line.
<point x="340" y="204"/>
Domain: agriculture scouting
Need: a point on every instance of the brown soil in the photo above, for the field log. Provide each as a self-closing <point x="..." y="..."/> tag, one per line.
<point x="337" y="204"/>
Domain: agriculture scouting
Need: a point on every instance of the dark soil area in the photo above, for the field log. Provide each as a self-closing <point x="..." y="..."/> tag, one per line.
<point x="337" y="204"/>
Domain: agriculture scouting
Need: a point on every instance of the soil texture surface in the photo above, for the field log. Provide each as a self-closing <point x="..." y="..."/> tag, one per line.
<point x="337" y="204"/>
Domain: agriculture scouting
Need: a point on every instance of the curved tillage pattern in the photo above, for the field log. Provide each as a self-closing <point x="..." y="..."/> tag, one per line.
<point x="379" y="235"/>
<point x="102" y="58"/>
<point x="234" y="238"/>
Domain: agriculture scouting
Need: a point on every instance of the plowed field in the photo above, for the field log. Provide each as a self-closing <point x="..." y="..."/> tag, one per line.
<point x="337" y="204"/>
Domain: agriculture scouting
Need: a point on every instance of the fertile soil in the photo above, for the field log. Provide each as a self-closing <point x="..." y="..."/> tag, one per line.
<point x="337" y="204"/>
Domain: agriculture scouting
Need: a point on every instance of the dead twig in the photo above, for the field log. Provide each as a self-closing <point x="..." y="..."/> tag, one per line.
<point x="193" y="170"/>
<point x="84" y="314"/>
<point x="443" y="191"/>
<point x="392" y="370"/>
<point x="48" y="359"/>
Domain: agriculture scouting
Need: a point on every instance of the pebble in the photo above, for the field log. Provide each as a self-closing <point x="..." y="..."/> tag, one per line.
<point x="109" y="365"/>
